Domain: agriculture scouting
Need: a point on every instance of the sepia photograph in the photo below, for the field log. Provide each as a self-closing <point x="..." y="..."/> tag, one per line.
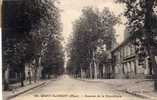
<point x="78" y="49"/>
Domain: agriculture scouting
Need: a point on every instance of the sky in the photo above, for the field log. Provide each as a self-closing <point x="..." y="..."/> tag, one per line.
<point x="71" y="10"/>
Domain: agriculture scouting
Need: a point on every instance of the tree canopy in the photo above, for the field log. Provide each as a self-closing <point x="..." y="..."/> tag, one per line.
<point x="29" y="27"/>
<point x="92" y="30"/>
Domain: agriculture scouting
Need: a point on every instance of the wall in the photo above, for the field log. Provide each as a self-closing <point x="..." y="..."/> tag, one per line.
<point x="126" y="62"/>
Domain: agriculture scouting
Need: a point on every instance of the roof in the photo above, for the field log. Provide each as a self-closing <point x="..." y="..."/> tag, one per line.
<point x="122" y="44"/>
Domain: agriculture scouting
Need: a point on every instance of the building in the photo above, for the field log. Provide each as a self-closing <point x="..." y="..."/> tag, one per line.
<point x="125" y="62"/>
<point x="106" y="68"/>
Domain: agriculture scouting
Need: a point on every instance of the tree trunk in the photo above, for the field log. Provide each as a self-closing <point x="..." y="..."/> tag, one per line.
<point x="22" y="76"/>
<point x="148" y="23"/>
<point x="81" y="73"/>
<point x="154" y="66"/>
<point x="29" y="77"/>
<point x="90" y="71"/>
<point x="35" y="74"/>
<point x="101" y="71"/>
<point x="39" y="68"/>
<point x="6" y="79"/>
<point x="21" y="79"/>
<point x="36" y="69"/>
<point x="150" y="68"/>
<point x="95" y="67"/>
<point x="95" y="70"/>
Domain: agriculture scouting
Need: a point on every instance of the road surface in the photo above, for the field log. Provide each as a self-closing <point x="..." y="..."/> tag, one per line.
<point x="67" y="88"/>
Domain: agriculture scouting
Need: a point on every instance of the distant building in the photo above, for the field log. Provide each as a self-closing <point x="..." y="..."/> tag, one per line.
<point x="105" y="69"/>
<point x="125" y="61"/>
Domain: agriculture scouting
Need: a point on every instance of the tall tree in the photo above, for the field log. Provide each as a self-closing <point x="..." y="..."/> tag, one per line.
<point x="142" y="20"/>
<point x="27" y="27"/>
<point x="53" y="61"/>
<point x="93" y="29"/>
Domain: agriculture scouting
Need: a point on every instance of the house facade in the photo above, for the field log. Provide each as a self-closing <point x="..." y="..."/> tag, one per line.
<point x="126" y="64"/>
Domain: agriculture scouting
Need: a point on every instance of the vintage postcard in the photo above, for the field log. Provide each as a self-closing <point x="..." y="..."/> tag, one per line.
<point x="79" y="49"/>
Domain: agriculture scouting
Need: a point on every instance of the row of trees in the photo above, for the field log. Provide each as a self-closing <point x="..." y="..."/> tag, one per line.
<point x="142" y="22"/>
<point x="93" y="35"/>
<point x="31" y="35"/>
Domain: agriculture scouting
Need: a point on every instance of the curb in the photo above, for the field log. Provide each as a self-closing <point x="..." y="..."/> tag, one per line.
<point x="126" y="91"/>
<point x="12" y="96"/>
<point x="138" y="95"/>
<point x="135" y="94"/>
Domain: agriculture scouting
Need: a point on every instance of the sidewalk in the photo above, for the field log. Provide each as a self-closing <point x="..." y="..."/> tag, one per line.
<point x="20" y="90"/>
<point x="138" y="87"/>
